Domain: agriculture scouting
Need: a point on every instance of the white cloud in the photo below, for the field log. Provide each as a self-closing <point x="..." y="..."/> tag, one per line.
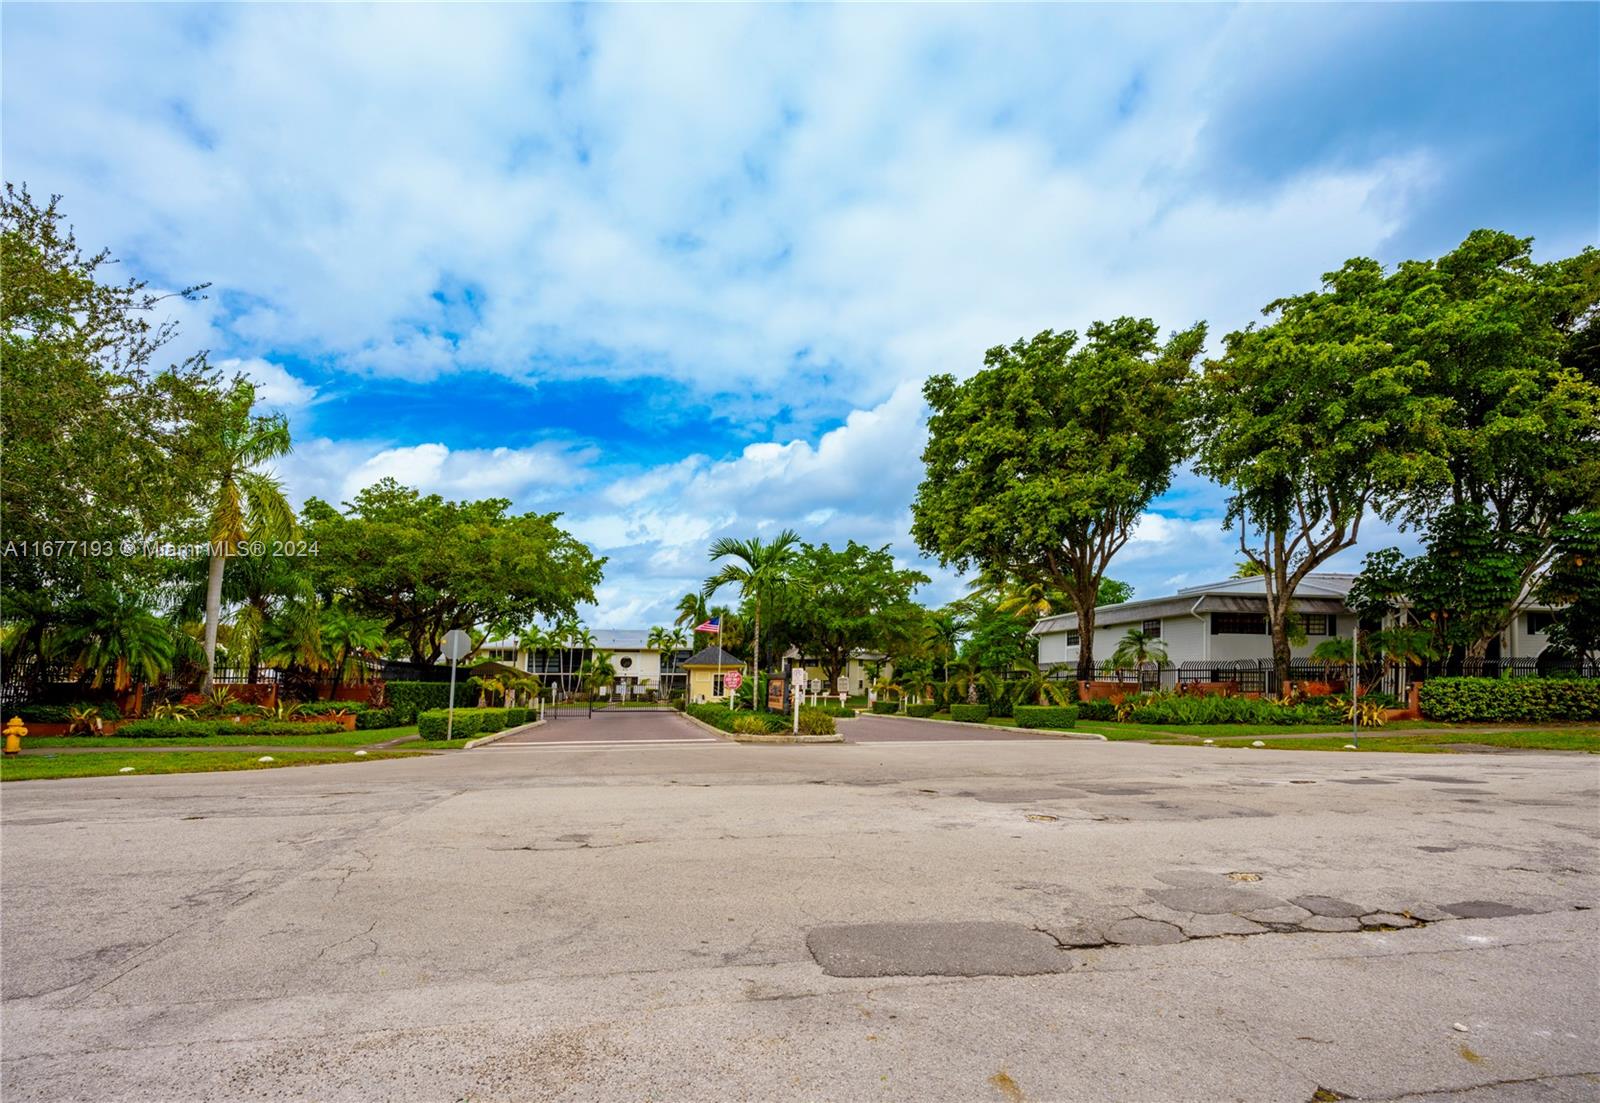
<point x="276" y="388"/>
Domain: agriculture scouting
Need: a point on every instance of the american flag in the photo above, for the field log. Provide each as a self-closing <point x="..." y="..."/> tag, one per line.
<point x="712" y="625"/>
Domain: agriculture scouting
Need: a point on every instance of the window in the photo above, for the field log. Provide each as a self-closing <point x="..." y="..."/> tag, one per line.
<point x="1540" y="623"/>
<point x="716" y="685"/>
<point x="1238" y="624"/>
<point x="625" y="663"/>
<point x="1152" y="629"/>
<point x="1073" y="639"/>
<point x="1317" y="624"/>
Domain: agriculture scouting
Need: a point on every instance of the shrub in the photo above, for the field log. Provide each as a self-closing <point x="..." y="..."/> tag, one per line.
<point x="816" y="722"/>
<point x="1484" y="699"/>
<point x="407" y="699"/>
<point x="921" y="710"/>
<point x="838" y="712"/>
<point x="491" y="720"/>
<point x="515" y="718"/>
<point x="377" y="718"/>
<point x="722" y="717"/>
<point x="276" y="727"/>
<point x="1097" y="710"/>
<point x="432" y="724"/>
<point x="1171" y="708"/>
<point x="748" y="723"/>
<point x="62" y="714"/>
<point x="973" y="714"/>
<point x="1056" y="717"/>
<point x="168" y="729"/>
<point x="884" y="708"/>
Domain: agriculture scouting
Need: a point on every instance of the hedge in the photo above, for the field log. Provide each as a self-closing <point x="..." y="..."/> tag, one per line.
<point x="205" y="729"/>
<point x="1467" y="699"/>
<point x="924" y="710"/>
<point x="515" y="718"/>
<point x="884" y="708"/>
<point x="1055" y="717"/>
<point x="469" y="723"/>
<point x="1097" y="710"/>
<point x="378" y="718"/>
<point x="975" y="714"/>
<point x="407" y="699"/>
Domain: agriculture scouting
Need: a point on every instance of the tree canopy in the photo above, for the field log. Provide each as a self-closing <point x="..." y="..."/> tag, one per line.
<point x="1038" y="467"/>
<point x="423" y="565"/>
<point x="852" y="599"/>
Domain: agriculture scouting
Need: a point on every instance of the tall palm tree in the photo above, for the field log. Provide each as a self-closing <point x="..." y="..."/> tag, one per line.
<point x="598" y="671"/>
<point x="760" y="570"/>
<point x="246" y="502"/>
<point x="534" y="640"/>
<point x="942" y="634"/>
<point x="561" y="637"/>
<point x="691" y="611"/>
<point x="584" y="639"/>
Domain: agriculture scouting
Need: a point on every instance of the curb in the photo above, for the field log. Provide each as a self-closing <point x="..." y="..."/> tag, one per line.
<point x="770" y="738"/>
<point x="1091" y="737"/>
<point x="485" y="740"/>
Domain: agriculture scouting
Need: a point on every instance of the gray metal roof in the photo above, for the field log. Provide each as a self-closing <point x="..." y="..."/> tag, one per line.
<point x="1318" y="593"/>
<point x="712" y="656"/>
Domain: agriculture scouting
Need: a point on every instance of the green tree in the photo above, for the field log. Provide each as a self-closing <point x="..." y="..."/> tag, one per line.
<point x="760" y="569"/>
<point x="1136" y="649"/>
<point x="854" y="599"/>
<point x="114" y="631"/>
<point x="1306" y="421"/>
<point x="1573" y="584"/>
<point x="99" y="441"/>
<point x="423" y="565"/>
<point x="942" y="635"/>
<point x="1039" y="466"/>
<point x="247" y="504"/>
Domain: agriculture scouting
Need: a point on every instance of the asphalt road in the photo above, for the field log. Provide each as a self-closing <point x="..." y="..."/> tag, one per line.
<point x="1028" y="919"/>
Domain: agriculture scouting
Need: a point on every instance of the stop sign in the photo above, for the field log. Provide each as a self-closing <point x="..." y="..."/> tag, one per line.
<point x="733" y="679"/>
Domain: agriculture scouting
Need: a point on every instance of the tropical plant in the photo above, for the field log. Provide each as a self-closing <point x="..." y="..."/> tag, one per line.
<point x="760" y="569"/>
<point x="942" y="635"/>
<point x="345" y="638"/>
<point x="168" y="710"/>
<point x="293" y="638"/>
<point x="246" y="503"/>
<point x="1033" y="683"/>
<point x="1137" y="648"/>
<point x="112" y="630"/>
<point x="598" y="671"/>
<point x="83" y="720"/>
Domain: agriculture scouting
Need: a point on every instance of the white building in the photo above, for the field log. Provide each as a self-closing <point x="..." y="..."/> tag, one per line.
<point x="639" y="667"/>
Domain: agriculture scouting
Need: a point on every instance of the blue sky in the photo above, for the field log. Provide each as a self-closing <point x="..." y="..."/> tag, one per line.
<point x="680" y="271"/>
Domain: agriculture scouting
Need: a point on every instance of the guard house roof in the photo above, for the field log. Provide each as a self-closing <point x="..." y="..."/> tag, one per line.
<point x="712" y="656"/>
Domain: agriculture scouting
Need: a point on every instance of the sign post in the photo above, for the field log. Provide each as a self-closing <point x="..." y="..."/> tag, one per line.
<point x="1355" y="686"/>
<point x="457" y="645"/>
<point x="799" y="676"/>
<point x="731" y="681"/>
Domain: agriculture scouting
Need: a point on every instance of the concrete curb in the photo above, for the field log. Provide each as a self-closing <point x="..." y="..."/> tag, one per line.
<point x="1092" y="737"/>
<point x="485" y="740"/>
<point x="770" y="738"/>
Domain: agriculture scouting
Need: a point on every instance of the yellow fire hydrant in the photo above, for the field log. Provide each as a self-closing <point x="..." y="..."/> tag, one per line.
<point x="14" y="731"/>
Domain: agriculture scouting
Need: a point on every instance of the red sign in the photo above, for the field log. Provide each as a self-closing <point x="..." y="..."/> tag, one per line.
<point x="733" y="679"/>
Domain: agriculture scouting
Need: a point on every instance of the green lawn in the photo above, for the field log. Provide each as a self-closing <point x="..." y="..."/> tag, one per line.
<point x="1550" y="739"/>
<point x="36" y="767"/>
<point x="326" y="739"/>
<point x="1111" y="729"/>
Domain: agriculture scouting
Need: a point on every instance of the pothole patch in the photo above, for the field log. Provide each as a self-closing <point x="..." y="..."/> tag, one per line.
<point x="1244" y="875"/>
<point x="978" y="949"/>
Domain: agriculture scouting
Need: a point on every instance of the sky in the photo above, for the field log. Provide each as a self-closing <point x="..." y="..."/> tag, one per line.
<point x="680" y="272"/>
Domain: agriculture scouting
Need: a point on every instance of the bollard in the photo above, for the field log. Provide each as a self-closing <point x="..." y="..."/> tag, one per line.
<point x="14" y="731"/>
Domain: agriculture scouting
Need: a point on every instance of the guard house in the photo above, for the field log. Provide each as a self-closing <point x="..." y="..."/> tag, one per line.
<point x="705" y="670"/>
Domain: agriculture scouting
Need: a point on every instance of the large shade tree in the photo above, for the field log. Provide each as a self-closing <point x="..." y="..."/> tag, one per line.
<point x="423" y="565"/>
<point x="1039" y="466"/>
<point x="855" y="598"/>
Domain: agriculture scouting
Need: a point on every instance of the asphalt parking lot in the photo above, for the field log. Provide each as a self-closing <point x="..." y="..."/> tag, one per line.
<point x="650" y="916"/>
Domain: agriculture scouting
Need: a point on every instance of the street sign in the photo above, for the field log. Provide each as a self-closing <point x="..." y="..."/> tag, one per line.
<point x="456" y="644"/>
<point x="732" y="680"/>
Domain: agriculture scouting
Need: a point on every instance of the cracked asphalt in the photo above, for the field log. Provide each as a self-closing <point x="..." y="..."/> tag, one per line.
<point x="1028" y="919"/>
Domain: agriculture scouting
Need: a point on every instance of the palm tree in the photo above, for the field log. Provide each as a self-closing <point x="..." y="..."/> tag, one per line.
<point x="1037" y="686"/>
<point x="1136" y="648"/>
<point x="344" y="637"/>
<point x="115" y="630"/>
<point x="561" y="637"/>
<point x="598" y="671"/>
<point x="584" y="639"/>
<point x="691" y="611"/>
<point x="293" y="637"/>
<point x="533" y="640"/>
<point x="968" y="677"/>
<point x="247" y="503"/>
<point x="941" y="635"/>
<point x="760" y="570"/>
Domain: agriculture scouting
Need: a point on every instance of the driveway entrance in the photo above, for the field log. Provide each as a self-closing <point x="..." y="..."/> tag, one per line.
<point x="608" y="727"/>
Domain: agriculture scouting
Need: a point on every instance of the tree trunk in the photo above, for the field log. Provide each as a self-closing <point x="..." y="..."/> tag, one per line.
<point x="1278" y="626"/>
<point x="213" y="617"/>
<point x="755" y="673"/>
<point x="1085" y="636"/>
